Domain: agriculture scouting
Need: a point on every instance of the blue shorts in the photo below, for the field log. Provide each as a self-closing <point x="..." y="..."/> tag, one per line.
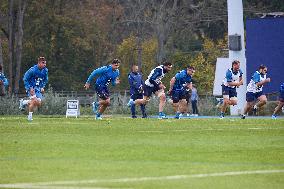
<point x="178" y="95"/>
<point x="37" y="93"/>
<point x="148" y="91"/>
<point x="102" y="92"/>
<point x="250" y="96"/>
<point x="232" y="92"/>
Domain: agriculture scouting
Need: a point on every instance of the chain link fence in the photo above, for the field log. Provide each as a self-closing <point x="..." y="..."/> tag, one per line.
<point x="54" y="103"/>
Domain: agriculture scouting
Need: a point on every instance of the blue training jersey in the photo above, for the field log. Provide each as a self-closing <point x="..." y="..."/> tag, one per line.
<point x="4" y="79"/>
<point x="135" y="81"/>
<point x="232" y="76"/>
<point x="182" y="78"/>
<point x="105" y="76"/>
<point x="35" y="78"/>
<point x="256" y="78"/>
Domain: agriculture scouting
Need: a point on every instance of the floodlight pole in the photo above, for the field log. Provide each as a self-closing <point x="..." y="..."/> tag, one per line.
<point x="236" y="26"/>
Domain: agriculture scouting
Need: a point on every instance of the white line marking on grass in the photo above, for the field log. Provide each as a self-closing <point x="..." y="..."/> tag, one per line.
<point x="139" y="179"/>
<point x="31" y="186"/>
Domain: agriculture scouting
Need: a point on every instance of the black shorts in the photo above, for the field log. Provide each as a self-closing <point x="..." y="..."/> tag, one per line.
<point x="148" y="91"/>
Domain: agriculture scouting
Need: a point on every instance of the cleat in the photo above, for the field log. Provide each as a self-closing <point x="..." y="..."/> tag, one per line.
<point x="178" y="115"/>
<point x="162" y="115"/>
<point x="30" y="118"/>
<point x="98" y="116"/>
<point x="95" y="107"/>
<point x="130" y="102"/>
<point x="134" y="116"/>
<point x="221" y="115"/>
<point x="144" y="115"/>
<point x="273" y="117"/>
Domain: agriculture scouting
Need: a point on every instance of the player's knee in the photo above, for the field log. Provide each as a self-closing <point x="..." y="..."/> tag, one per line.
<point x="163" y="97"/>
<point x="234" y="101"/>
<point x="107" y="102"/>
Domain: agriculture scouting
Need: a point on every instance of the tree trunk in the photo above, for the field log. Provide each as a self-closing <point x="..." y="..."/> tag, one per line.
<point x="161" y="54"/>
<point x="11" y="42"/>
<point x="1" y="56"/>
<point x="139" y="45"/>
<point x="19" y="47"/>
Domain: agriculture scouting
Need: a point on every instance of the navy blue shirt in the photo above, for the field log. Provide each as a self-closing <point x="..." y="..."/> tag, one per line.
<point x="182" y="78"/>
<point x="135" y="81"/>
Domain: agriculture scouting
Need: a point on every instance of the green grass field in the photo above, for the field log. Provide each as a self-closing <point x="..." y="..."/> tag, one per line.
<point x="142" y="153"/>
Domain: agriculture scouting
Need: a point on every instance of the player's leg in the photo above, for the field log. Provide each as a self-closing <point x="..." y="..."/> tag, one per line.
<point x="175" y="100"/>
<point x="162" y="96"/>
<point x="104" y="101"/>
<point x="226" y="101"/>
<point x="132" y="108"/>
<point x="262" y="100"/>
<point x="142" y="106"/>
<point x="278" y="107"/>
<point x="146" y="97"/>
<point x="250" y="98"/>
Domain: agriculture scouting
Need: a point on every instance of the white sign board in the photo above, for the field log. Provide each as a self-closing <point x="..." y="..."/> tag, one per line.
<point x="222" y="65"/>
<point x="73" y="108"/>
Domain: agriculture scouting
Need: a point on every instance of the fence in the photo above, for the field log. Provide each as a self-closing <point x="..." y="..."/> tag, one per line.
<point x="55" y="103"/>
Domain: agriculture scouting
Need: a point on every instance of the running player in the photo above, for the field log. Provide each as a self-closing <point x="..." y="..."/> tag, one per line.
<point x="106" y="75"/>
<point x="254" y="90"/>
<point x="232" y="80"/>
<point x="154" y="85"/>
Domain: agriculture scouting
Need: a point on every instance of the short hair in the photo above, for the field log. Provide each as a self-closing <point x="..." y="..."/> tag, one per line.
<point x="41" y="58"/>
<point x="190" y="67"/>
<point x="235" y="62"/>
<point x="262" y="66"/>
<point x="115" y="61"/>
<point x="167" y="63"/>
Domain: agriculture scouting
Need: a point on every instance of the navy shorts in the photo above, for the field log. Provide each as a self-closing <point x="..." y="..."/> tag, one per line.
<point x="178" y="95"/>
<point x="232" y="92"/>
<point x="250" y="96"/>
<point x="148" y="91"/>
<point x="136" y="96"/>
<point x="102" y="92"/>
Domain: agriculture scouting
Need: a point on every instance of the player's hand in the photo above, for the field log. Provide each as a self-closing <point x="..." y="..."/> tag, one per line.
<point x="241" y="82"/>
<point x="170" y="92"/>
<point x="42" y="90"/>
<point x="161" y="86"/>
<point x="1" y="82"/>
<point x="87" y="86"/>
<point x="117" y="81"/>
<point x="267" y="80"/>
<point x="32" y="91"/>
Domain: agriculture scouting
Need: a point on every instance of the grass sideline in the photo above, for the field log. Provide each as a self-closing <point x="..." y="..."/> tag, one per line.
<point x="53" y="149"/>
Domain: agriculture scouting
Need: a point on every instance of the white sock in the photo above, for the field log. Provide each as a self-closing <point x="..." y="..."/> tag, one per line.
<point x="25" y="102"/>
<point x="31" y="114"/>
